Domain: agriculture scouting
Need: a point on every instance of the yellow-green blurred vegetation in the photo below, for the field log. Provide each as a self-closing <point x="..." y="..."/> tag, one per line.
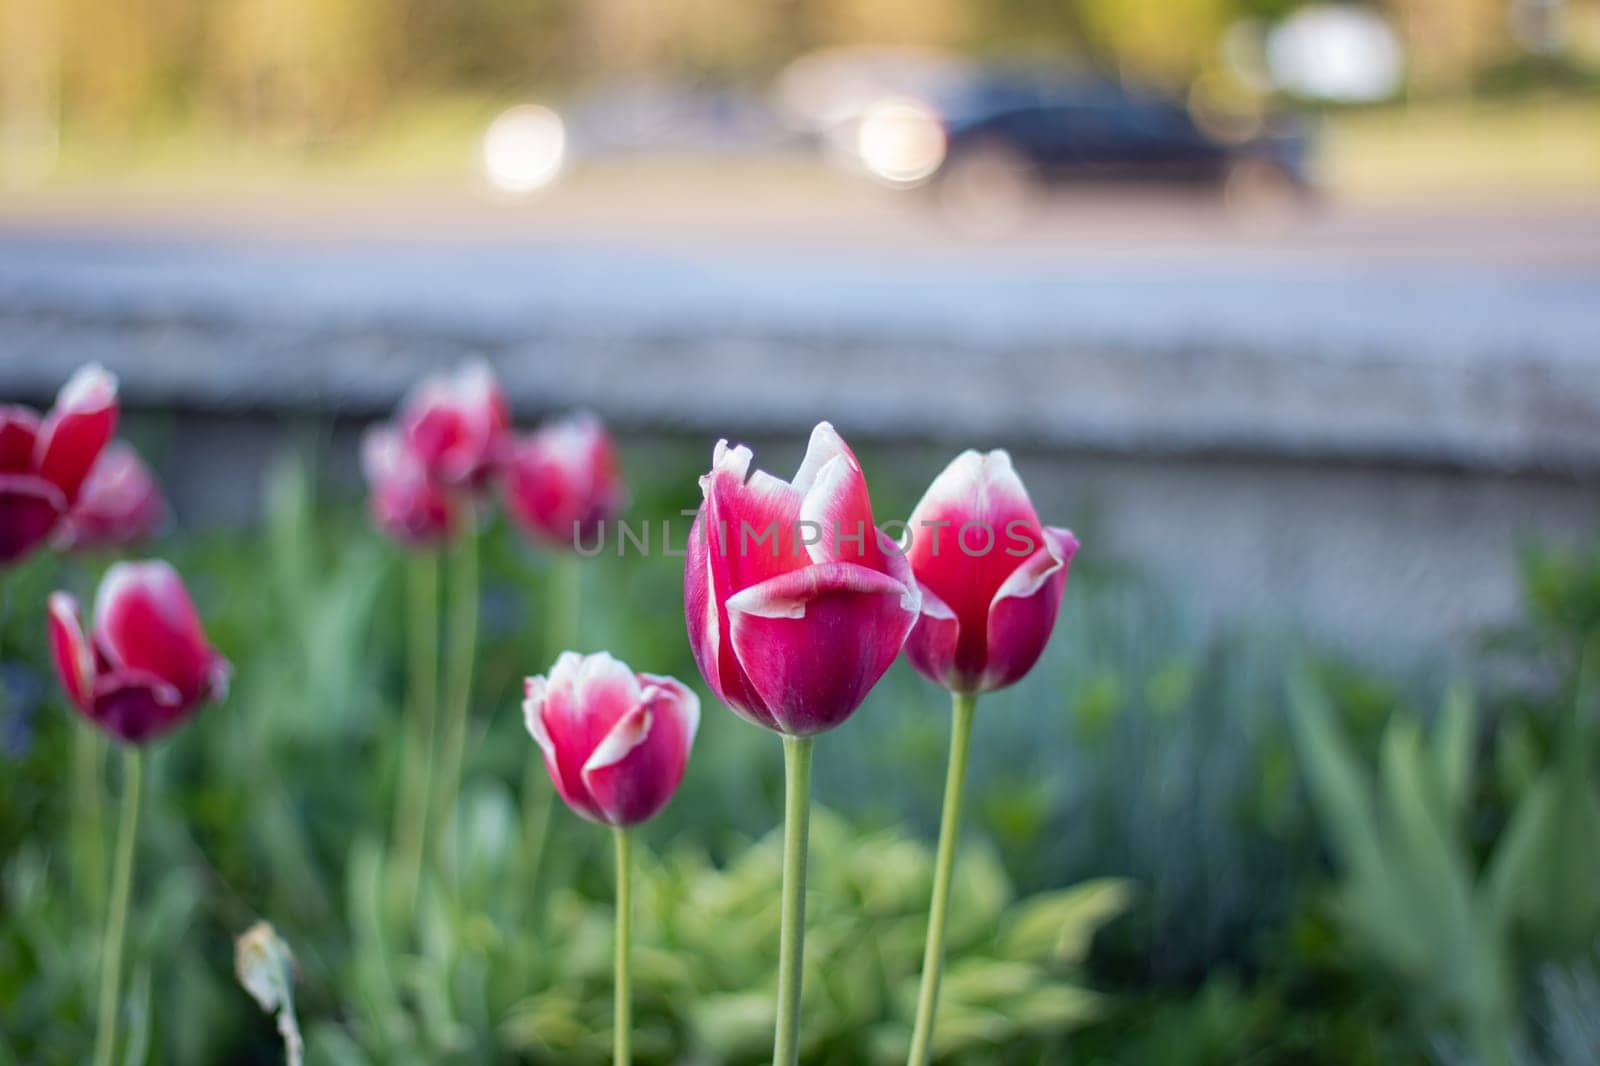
<point x="309" y="71"/>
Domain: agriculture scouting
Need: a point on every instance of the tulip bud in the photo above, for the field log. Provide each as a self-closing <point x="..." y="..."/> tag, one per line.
<point x="796" y="602"/>
<point x="146" y="665"/>
<point x="456" y="425"/>
<point x="991" y="576"/>
<point x="406" y="504"/>
<point x="119" y="504"/>
<point x="563" y="481"/>
<point x="615" y="743"/>
<point x="44" y="463"/>
<point x="265" y="967"/>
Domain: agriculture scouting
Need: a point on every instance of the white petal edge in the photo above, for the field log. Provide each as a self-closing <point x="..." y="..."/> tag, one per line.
<point x="631" y="730"/>
<point x="957" y="482"/>
<point x="535" y="690"/>
<point x="824" y="446"/>
<point x="63" y="607"/>
<point x="599" y="669"/>
<point x="758" y="601"/>
<point x="825" y="485"/>
<point x="677" y="697"/>
<point x="1024" y="582"/>
<point x="90" y="388"/>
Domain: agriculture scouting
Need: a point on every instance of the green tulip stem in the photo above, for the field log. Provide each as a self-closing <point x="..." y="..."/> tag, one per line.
<point x="791" y="938"/>
<point x="89" y="815"/>
<point x="462" y="647"/>
<point x="622" y="1035"/>
<point x="416" y="777"/>
<point x="962" y="706"/>
<point x="117" y="921"/>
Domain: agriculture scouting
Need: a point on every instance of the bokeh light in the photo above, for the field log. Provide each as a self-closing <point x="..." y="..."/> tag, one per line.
<point x="901" y="141"/>
<point x="524" y="149"/>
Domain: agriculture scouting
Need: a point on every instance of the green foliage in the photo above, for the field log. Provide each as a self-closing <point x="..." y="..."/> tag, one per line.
<point x="1456" y="934"/>
<point x="1154" y="767"/>
<point x="706" y="956"/>
<point x="276" y="804"/>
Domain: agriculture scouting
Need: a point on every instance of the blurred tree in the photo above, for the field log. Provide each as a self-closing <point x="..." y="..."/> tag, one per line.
<point x="1012" y="26"/>
<point x="1446" y="41"/>
<point x="30" y="46"/>
<point x="301" y="68"/>
<point x="122" y="61"/>
<point x="914" y="22"/>
<point x="303" y="71"/>
<point x="1167" y="41"/>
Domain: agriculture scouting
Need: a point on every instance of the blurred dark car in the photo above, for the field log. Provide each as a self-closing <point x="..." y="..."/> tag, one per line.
<point x="1005" y="131"/>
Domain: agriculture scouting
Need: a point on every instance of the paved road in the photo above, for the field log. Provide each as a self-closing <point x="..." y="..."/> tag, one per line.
<point x="1467" y="336"/>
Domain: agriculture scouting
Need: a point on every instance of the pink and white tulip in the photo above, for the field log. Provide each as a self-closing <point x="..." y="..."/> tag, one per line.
<point x="146" y="665"/>
<point x="405" y="502"/>
<point x="457" y="424"/>
<point x="991" y="576"/>
<point x="563" y="481"/>
<point x="43" y="463"/>
<point x="615" y="743"/>
<point x="120" y="504"/>
<point x="796" y="601"/>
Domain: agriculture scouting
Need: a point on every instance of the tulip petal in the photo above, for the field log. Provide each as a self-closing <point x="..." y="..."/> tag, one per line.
<point x="119" y="504"/>
<point x="1023" y="614"/>
<point x="30" y="507"/>
<point x="931" y="647"/>
<point x="706" y="614"/>
<point x="631" y="730"/>
<point x="74" y="658"/>
<point x="541" y="696"/>
<point x="751" y="520"/>
<point x="455" y="423"/>
<point x="19" y="428"/>
<point x="77" y="428"/>
<point x="637" y="768"/>
<point x="583" y="700"/>
<point x="840" y="515"/>
<point x="618" y="793"/>
<point x="405" y="504"/>
<point x="563" y="480"/>
<point x="976" y="540"/>
<point x="815" y="641"/>
<point x="670" y="697"/>
<point x="144" y="620"/>
<point x="824" y="446"/>
<point x="136" y="705"/>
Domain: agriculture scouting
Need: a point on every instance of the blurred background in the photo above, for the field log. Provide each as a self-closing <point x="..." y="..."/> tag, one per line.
<point x="1290" y="310"/>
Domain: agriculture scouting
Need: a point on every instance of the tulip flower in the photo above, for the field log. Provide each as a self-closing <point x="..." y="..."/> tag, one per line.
<point x="406" y="504"/>
<point x="562" y="482"/>
<point x="119" y="504"/>
<point x="615" y="744"/>
<point x="146" y="665"/>
<point x="43" y="463"/>
<point x="143" y="669"/>
<point x="991" y="578"/>
<point x="456" y="425"/>
<point x="796" y="604"/>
